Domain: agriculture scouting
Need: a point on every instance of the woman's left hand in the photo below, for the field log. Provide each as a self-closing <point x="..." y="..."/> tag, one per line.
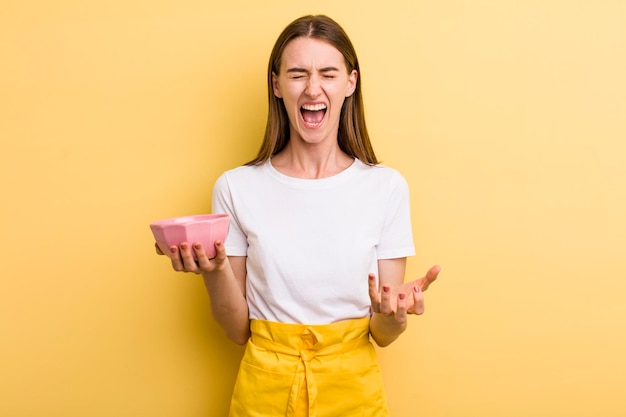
<point x="406" y="298"/>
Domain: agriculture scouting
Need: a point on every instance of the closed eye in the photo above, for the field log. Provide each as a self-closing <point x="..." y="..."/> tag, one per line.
<point x="296" y="73"/>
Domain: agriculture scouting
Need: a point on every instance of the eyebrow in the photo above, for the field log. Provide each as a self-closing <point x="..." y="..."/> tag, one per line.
<point x="325" y="69"/>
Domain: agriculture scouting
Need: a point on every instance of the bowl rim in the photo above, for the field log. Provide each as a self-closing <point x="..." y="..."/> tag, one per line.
<point x="194" y="218"/>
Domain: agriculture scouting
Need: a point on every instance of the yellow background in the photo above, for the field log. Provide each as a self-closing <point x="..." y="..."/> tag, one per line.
<point x="508" y="119"/>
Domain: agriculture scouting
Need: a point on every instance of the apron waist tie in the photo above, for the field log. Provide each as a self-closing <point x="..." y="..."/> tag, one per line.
<point x="306" y="355"/>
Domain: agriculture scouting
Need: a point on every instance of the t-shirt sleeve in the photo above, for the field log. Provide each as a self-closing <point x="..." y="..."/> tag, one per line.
<point x="236" y="242"/>
<point x="397" y="234"/>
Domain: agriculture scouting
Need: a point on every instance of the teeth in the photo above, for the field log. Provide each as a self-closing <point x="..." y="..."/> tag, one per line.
<point x="314" y="107"/>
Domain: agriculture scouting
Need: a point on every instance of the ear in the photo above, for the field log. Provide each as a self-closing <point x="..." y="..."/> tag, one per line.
<point x="353" y="78"/>
<point x="275" y="86"/>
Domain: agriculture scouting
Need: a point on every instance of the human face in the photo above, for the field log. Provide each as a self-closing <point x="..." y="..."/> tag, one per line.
<point x="313" y="83"/>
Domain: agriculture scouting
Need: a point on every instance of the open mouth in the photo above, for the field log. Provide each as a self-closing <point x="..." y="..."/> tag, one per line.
<point x="313" y="114"/>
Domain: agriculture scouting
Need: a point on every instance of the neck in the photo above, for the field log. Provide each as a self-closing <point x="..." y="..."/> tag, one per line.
<point x="312" y="161"/>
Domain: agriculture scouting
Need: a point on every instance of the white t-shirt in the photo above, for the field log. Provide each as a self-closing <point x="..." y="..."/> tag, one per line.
<point x="311" y="243"/>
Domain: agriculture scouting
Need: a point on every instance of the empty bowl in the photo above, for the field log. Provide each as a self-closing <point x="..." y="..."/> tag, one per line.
<point x="203" y="228"/>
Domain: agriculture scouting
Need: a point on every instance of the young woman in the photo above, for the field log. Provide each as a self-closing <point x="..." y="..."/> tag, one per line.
<point x="314" y="262"/>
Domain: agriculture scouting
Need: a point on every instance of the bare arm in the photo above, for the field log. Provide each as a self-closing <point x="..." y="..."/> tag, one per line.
<point x="225" y="280"/>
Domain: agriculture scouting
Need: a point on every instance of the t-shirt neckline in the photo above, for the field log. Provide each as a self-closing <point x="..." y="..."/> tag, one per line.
<point x="312" y="183"/>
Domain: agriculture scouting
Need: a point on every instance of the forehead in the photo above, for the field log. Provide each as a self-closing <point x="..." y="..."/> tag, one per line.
<point x="310" y="53"/>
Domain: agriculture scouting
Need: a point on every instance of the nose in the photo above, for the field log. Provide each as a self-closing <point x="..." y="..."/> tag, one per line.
<point x="313" y="86"/>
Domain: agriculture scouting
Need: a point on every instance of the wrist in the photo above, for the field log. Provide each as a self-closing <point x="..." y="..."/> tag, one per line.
<point x="389" y="321"/>
<point x="385" y="328"/>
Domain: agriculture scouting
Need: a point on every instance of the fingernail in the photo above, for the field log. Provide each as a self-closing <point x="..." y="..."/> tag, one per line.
<point x="173" y="249"/>
<point x="196" y="246"/>
<point x="402" y="296"/>
<point x="183" y="246"/>
<point x="385" y="288"/>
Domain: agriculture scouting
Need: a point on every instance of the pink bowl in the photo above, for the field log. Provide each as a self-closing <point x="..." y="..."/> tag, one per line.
<point x="203" y="228"/>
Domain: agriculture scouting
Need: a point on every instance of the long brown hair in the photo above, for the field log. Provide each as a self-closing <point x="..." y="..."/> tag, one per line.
<point x="352" y="137"/>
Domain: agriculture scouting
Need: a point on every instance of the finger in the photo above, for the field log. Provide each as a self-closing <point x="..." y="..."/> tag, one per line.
<point x="385" y="301"/>
<point x="430" y="277"/>
<point x="174" y="255"/>
<point x="418" y="301"/>
<point x="186" y="254"/>
<point x="401" y="309"/>
<point x="203" y="262"/>
<point x="220" y="252"/>
<point x="373" y="292"/>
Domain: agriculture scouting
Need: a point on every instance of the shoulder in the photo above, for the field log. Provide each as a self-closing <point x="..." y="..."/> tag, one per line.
<point x="242" y="174"/>
<point x="243" y="171"/>
<point x="381" y="173"/>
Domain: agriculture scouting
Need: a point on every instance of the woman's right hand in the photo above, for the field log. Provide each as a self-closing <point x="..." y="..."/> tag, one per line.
<point x="182" y="257"/>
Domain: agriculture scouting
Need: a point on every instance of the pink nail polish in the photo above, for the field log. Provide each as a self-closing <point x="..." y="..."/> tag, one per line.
<point x="385" y="288"/>
<point x="402" y="296"/>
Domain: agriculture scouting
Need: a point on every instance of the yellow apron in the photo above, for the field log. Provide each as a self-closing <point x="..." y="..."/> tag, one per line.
<point x="297" y="370"/>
